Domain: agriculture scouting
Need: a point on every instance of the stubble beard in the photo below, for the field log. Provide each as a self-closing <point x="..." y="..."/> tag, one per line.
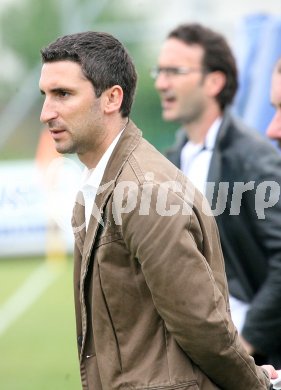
<point x="70" y="146"/>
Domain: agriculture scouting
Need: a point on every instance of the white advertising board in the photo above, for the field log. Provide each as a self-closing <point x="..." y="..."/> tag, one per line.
<point x="35" y="202"/>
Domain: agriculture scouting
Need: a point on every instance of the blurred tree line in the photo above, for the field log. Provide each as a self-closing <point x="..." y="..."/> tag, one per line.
<point x="27" y="26"/>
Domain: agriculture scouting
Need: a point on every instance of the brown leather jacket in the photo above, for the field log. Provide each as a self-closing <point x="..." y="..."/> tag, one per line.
<point x="151" y="295"/>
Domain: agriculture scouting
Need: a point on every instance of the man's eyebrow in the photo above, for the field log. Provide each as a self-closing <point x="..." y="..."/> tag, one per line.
<point x="56" y="90"/>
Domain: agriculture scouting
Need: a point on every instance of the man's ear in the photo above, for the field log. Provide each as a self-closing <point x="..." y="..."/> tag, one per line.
<point x="215" y="82"/>
<point x="112" y="99"/>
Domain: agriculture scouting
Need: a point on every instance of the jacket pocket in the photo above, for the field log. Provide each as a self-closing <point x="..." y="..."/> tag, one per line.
<point x="107" y="238"/>
<point x="190" y="385"/>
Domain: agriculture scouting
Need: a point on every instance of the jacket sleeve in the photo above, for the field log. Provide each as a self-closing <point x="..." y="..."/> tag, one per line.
<point x="181" y="260"/>
<point x="263" y="322"/>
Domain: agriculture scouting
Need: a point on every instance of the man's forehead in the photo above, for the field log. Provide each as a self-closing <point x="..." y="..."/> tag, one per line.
<point x="174" y="49"/>
<point x="58" y="72"/>
<point x="63" y="67"/>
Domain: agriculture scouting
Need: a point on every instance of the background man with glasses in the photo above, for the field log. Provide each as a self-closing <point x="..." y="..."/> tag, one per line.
<point x="196" y="78"/>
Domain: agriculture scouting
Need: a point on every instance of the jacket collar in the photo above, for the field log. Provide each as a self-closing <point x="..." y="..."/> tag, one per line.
<point x="224" y="134"/>
<point x="223" y="139"/>
<point x="124" y="148"/>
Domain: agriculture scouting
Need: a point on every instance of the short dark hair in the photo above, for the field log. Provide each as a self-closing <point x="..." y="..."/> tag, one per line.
<point x="104" y="61"/>
<point x="217" y="56"/>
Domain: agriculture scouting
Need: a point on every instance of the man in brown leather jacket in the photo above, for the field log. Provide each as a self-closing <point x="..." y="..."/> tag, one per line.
<point x="151" y="295"/>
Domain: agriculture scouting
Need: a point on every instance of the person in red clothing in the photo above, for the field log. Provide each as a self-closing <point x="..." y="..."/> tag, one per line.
<point x="274" y="128"/>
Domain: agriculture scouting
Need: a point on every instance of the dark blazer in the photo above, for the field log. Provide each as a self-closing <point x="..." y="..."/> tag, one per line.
<point x="250" y="233"/>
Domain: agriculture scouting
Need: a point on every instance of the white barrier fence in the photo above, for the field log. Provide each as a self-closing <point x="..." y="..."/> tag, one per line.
<point x="34" y="203"/>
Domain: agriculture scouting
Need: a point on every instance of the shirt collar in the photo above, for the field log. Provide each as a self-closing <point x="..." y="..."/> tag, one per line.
<point x="211" y="136"/>
<point x="92" y="177"/>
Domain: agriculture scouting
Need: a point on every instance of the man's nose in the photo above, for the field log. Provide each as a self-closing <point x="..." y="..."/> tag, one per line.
<point x="161" y="81"/>
<point x="48" y="112"/>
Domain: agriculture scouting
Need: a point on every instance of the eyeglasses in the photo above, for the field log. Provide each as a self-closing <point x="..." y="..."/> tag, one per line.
<point x="172" y="71"/>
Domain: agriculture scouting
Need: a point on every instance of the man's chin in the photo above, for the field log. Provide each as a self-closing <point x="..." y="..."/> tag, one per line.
<point x="62" y="149"/>
<point x="168" y="117"/>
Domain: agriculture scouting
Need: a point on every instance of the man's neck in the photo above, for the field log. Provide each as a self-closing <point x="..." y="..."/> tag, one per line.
<point x="197" y="130"/>
<point x="92" y="158"/>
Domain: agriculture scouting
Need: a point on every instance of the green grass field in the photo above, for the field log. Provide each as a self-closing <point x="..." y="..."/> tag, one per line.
<point x="38" y="348"/>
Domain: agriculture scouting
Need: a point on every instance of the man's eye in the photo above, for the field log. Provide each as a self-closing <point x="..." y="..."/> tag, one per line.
<point x="172" y="71"/>
<point x="63" y="93"/>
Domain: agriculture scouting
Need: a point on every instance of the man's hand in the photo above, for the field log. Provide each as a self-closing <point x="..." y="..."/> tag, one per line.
<point x="273" y="374"/>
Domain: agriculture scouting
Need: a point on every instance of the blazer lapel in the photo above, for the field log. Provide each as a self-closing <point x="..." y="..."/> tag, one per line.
<point x="215" y="169"/>
<point x="174" y="152"/>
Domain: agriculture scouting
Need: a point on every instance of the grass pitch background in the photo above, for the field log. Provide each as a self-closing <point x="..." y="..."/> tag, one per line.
<point x="38" y="349"/>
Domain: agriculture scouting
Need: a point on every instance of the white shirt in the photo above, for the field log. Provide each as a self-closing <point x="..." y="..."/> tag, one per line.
<point x="91" y="179"/>
<point x="195" y="158"/>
